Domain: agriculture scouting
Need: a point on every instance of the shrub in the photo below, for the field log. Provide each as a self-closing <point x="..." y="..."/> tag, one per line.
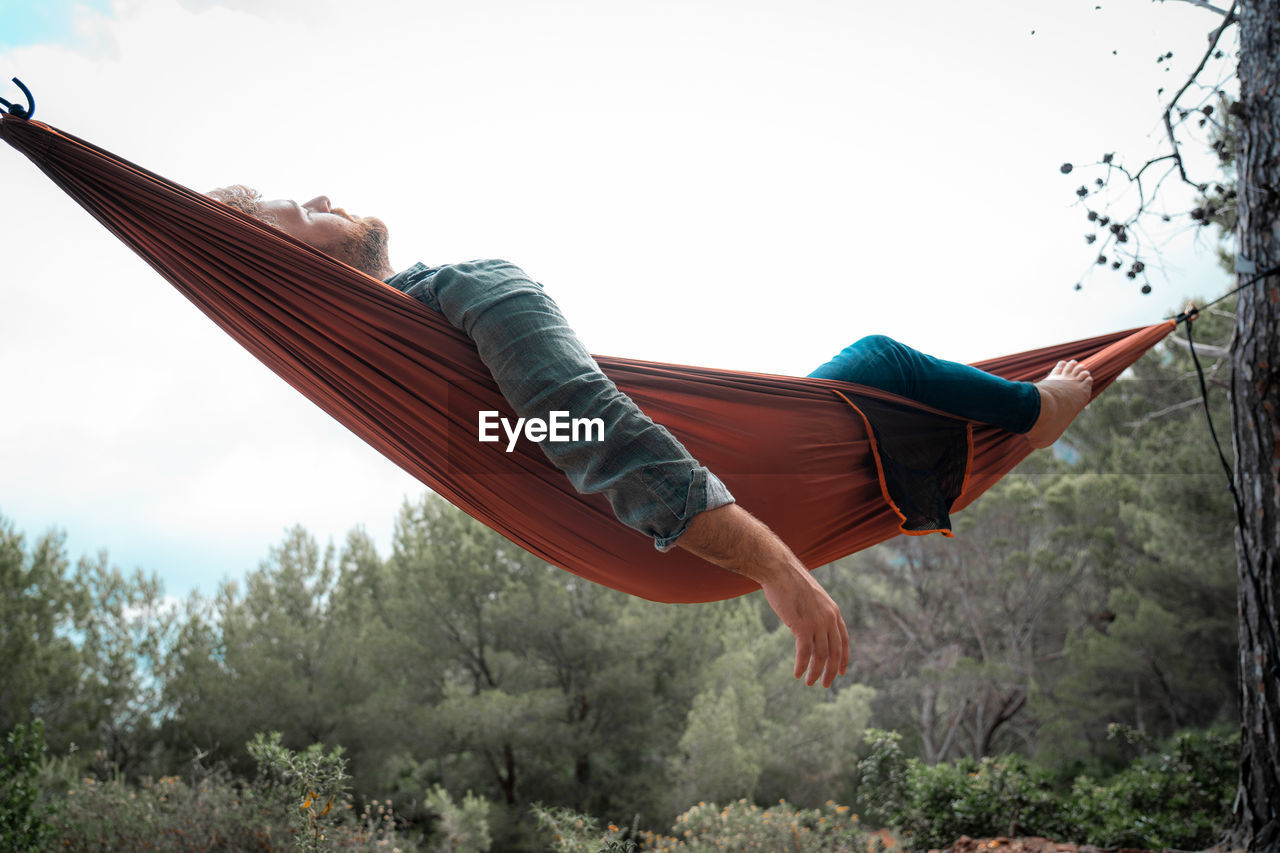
<point x="287" y="808"/>
<point x="579" y="833"/>
<point x="1180" y="798"/>
<point x="1177" y="799"/>
<point x="307" y="784"/>
<point x="23" y="821"/>
<point x="738" y="828"/>
<point x="167" y="814"/>
<point x="464" y="827"/>
<point x="933" y="806"/>
<point x="310" y="787"/>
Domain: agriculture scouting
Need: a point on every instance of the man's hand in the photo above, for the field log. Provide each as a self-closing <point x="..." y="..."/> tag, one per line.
<point x="822" y="640"/>
<point x="733" y="539"/>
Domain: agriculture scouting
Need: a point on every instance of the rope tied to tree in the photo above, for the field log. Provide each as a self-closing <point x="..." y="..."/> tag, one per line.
<point x="1243" y="265"/>
<point x="1186" y="318"/>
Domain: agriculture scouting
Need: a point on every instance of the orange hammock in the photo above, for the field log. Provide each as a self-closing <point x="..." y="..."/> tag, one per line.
<point x="794" y="451"/>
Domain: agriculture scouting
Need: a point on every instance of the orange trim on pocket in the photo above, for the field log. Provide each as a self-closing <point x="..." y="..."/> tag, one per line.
<point x="884" y="485"/>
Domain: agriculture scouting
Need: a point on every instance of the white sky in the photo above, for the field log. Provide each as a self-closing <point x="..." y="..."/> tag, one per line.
<point x="735" y="183"/>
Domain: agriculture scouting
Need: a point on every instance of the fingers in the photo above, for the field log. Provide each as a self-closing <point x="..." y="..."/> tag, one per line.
<point x="804" y="650"/>
<point x="821" y="637"/>
<point x="820" y="662"/>
<point x="838" y="659"/>
<point x="825" y="654"/>
<point x="844" y="641"/>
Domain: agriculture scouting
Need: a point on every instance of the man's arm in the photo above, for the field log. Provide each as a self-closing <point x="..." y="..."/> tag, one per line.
<point x="540" y="365"/>
<point x="733" y="539"/>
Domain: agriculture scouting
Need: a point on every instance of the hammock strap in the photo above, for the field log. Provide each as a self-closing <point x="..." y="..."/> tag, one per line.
<point x="1192" y="311"/>
<point x="19" y="110"/>
<point x="1264" y="614"/>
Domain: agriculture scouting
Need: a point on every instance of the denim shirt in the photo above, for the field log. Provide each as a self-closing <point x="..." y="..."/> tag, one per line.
<point x="650" y="479"/>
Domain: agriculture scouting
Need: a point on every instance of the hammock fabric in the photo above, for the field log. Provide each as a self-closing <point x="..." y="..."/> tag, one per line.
<point x="798" y="453"/>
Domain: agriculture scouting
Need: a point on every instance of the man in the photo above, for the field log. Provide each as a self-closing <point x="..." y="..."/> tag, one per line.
<point x="652" y="482"/>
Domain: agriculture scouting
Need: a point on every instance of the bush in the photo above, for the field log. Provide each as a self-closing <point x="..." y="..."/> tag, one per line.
<point x="737" y="828"/>
<point x="1177" y="799"/>
<point x="307" y="785"/>
<point x="464" y="826"/>
<point x="298" y="802"/>
<point x="1180" y="798"/>
<point x="168" y="815"/>
<point x="933" y="806"/>
<point x="23" y="821"/>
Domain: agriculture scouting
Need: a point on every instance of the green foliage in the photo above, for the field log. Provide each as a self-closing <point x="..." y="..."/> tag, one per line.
<point x="751" y="733"/>
<point x="517" y="681"/>
<point x="23" y="819"/>
<point x="464" y="826"/>
<point x="932" y="806"/>
<point x="1088" y="587"/>
<point x="40" y="666"/>
<point x="740" y="826"/>
<point x="79" y="649"/>
<point x="724" y="748"/>
<point x="307" y="784"/>
<point x="168" y="814"/>
<point x="1092" y="585"/>
<point x="210" y="811"/>
<point x="572" y="832"/>
<point x="1154" y="645"/>
<point x="1179" y="798"/>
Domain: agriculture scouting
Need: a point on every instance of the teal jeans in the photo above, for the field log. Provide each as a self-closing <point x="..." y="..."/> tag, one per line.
<point x="957" y="389"/>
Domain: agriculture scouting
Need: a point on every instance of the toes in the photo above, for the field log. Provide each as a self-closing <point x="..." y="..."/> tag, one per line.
<point x="1068" y="370"/>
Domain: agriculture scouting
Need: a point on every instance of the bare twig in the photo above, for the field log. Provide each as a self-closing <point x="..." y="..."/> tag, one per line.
<point x="1229" y="18"/>
<point x="1204" y="349"/>
<point x="1150" y="178"/>
<point x="1168" y="410"/>
<point x="1205" y="5"/>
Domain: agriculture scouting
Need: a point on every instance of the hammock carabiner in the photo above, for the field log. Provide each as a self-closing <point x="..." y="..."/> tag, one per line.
<point x="19" y="110"/>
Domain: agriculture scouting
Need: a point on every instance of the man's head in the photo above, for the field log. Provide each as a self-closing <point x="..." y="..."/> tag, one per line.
<point x="358" y="241"/>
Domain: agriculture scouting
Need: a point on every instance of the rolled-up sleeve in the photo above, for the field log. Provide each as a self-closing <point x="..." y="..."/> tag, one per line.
<point x="652" y="482"/>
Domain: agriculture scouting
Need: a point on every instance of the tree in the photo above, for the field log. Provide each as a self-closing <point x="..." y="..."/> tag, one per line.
<point x="79" y="649"/>
<point x="1155" y="645"/>
<point x="1255" y="356"/>
<point x="522" y="682"/>
<point x="959" y="630"/>
<point x="1255" y="397"/>
<point x="40" y="665"/>
<point x="275" y="659"/>
<point x="750" y="733"/>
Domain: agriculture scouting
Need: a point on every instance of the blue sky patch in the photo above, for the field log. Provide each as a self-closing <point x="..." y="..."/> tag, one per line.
<point x="29" y="22"/>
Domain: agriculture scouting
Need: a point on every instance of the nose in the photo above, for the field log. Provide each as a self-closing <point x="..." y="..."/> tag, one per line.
<point x="319" y="204"/>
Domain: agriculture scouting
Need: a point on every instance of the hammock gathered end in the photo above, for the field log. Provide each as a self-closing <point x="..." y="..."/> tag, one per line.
<point x="799" y="453"/>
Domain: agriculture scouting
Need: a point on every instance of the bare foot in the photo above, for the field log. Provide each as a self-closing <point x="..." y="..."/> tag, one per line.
<point x="1063" y="395"/>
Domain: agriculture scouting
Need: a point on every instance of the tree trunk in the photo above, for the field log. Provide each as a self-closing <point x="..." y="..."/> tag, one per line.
<point x="1255" y="409"/>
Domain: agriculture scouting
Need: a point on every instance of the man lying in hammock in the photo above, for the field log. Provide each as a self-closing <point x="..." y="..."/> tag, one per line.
<point x="652" y="482"/>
